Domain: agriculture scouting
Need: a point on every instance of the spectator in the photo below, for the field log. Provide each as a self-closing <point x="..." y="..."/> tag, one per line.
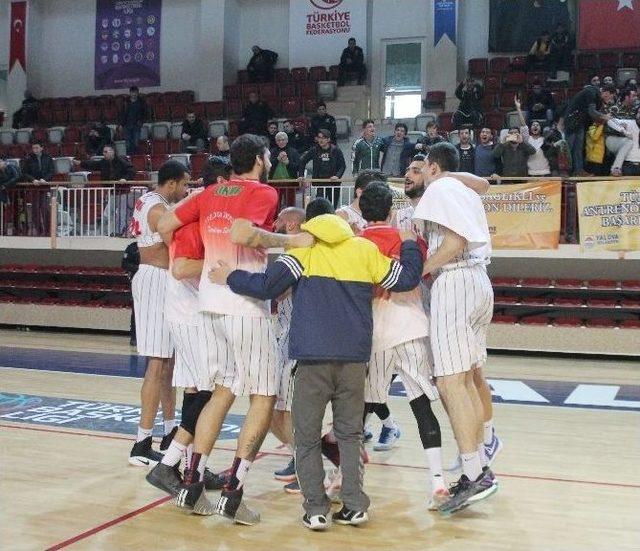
<point x="594" y="80"/>
<point x="538" y="57"/>
<point x="27" y="115"/>
<point x="323" y="120"/>
<point x="272" y="130"/>
<point x="261" y="64"/>
<point x="631" y="165"/>
<point x="366" y="150"/>
<point x="98" y="136"/>
<point x="112" y="167"/>
<point x="466" y="151"/>
<point x="351" y="63"/>
<point x="328" y="163"/>
<point x="215" y="166"/>
<point x="285" y="160"/>
<point x="595" y="149"/>
<point x="133" y="117"/>
<point x="619" y="138"/>
<point x="582" y="108"/>
<point x="194" y="134"/>
<point x="38" y="167"/>
<point x="469" y="112"/>
<point x="540" y="104"/>
<point x="255" y="116"/>
<point x="397" y="151"/>
<point x="297" y="139"/>
<point x="514" y="153"/>
<point x="557" y="152"/>
<point x="608" y="80"/>
<point x="484" y="161"/>
<point x="423" y="144"/>
<point x="537" y="164"/>
<point x="9" y="177"/>
<point x="222" y="147"/>
<point x="560" y="54"/>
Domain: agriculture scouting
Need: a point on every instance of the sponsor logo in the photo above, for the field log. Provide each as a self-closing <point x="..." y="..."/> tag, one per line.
<point x="326" y="4"/>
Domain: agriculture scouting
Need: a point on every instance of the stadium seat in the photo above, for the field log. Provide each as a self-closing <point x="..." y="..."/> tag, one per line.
<point x="67" y="149"/>
<point x="250" y="88"/>
<point x="534" y="301"/>
<point x="536" y="282"/>
<point x="494" y="120"/>
<point x="288" y="90"/>
<point x="534" y="320"/>
<point x="506" y="300"/>
<point x="243" y="76"/>
<point x="317" y="72"/>
<point x="499" y="65"/>
<point x="568" y="284"/>
<point x="186" y="96"/>
<point x="157" y="160"/>
<point x="232" y="91"/>
<point x="77" y="114"/>
<point x="515" y="80"/>
<point x="291" y="107"/>
<point x="160" y="130"/>
<point x="198" y="109"/>
<point x="501" y="318"/>
<point x="445" y="122"/>
<point x="178" y="112"/>
<point x="609" y="59"/>
<point x="631" y="285"/>
<point x="567" y="321"/>
<point x="71" y="134"/>
<point x="233" y="108"/>
<point x="299" y="74"/>
<point x="307" y="89"/>
<point x="630" y="303"/>
<point x="110" y="114"/>
<point x="505" y="281"/>
<point x="140" y="163"/>
<point x="333" y="72"/>
<point x="218" y="128"/>
<point x="282" y="75"/>
<point x="568" y="302"/>
<point x="435" y="99"/>
<point x="198" y="161"/>
<point x="489" y="101"/>
<point x="585" y="61"/>
<point x="478" y="67"/>
<point x="269" y="91"/>
<point x="603" y="284"/>
<point x="507" y="99"/>
<point x="601" y="322"/>
<point x="214" y="110"/>
<point x="519" y="63"/>
<point x="631" y="59"/>
<point x="492" y="83"/>
<point x="310" y="105"/>
<point x="601" y="303"/>
<point x="630" y="324"/>
<point x="170" y="98"/>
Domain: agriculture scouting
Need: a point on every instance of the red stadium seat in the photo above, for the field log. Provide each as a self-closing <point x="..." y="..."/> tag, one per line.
<point x="232" y="91"/>
<point x="198" y="109"/>
<point x="499" y="65"/>
<point x="435" y="98"/>
<point x="71" y="134"/>
<point x="214" y="110"/>
<point x="601" y="303"/>
<point x="515" y="80"/>
<point x="250" y="89"/>
<point x="197" y="161"/>
<point x="291" y="107"/>
<point x="568" y="283"/>
<point x="171" y="98"/>
<point x="519" y="63"/>
<point x="59" y="116"/>
<point x="501" y="318"/>
<point x="630" y="324"/>
<point x="534" y="301"/>
<point x="243" y="76"/>
<point x="186" y="96"/>
<point x="318" y="73"/>
<point x="568" y="302"/>
<point x="288" y="90"/>
<point x="307" y="89"/>
<point x="603" y="284"/>
<point x="175" y="146"/>
<point x="535" y="320"/>
<point x="492" y="83"/>
<point x="505" y="281"/>
<point x="178" y="112"/>
<point x="233" y="108"/>
<point x="67" y="149"/>
<point x="630" y="303"/>
<point x="494" y="120"/>
<point x="77" y="114"/>
<point x="535" y="282"/>
<point x="567" y="321"/>
<point x="507" y="100"/>
<point x="631" y="285"/>
<point x="506" y="300"/>
<point x="160" y="147"/>
<point x="140" y="162"/>
<point x="631" y="59"/>
<point x="333" y="72"/>
<point x="489" y="101"/>
<point x="299" y="74"/>
<point x="110" y="114"/>
<point x="282" y="75"/>
<point x="269" y="91"/>
<point x="445" y="122"/>
<point x="536" y="76"/>
<point x="158" y="160"/>
<point x="310" y="105"/>
<point x="587" y="61"/>
<point x="601" y="322"/>
<point x="609" y="59"/>
<point x="478" y="66"/>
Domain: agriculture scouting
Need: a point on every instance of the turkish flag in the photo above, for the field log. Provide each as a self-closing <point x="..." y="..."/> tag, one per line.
<point x="609" y="24"/>
<point x="17" y="45"/>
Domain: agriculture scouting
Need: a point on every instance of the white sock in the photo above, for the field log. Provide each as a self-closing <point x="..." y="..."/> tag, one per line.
<point x="201" y="466"/>
<point x="389" y="422"/>
<point x="488" y="431"/>
<point x="471" y="465"/>
<point x="242" y="471"/>
<point x="434" y="460"/>
<point x="144" y="433"/>
<point x="187" y="454"/>
<point x="483" y="456"/>
<point x="174" y="453"/>
<point x="168" y="426"/>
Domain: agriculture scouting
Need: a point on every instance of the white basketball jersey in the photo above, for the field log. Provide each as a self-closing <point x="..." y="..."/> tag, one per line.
<point x="354" y="217"/>
<point x="140" y="223"/>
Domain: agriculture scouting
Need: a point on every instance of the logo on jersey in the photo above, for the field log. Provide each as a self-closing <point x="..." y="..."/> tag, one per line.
<point x="229" y="191"/>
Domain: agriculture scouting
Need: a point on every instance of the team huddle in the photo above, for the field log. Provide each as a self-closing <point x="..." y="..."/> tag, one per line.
<point x="360" y="295"/>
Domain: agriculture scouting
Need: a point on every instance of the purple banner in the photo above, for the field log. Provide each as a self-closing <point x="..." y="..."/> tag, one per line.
<point x="127" y="43"/>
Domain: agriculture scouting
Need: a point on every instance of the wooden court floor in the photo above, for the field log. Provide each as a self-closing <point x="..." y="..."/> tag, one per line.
<point x="568" y="475"/>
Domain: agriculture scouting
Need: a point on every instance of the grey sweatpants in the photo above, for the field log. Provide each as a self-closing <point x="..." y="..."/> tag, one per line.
<point x="621" y="147"/>
<point x="315" y="385"/>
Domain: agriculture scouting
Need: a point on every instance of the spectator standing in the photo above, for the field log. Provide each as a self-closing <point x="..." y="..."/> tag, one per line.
<point x="466" y="151"/>
<point x="272" y="130"/>
<point x="38" y="166"/>
<point x="27" y="115"/>
<point x="322" y="120"/>
<point x="537" y="164"/>
<point x="9" y="177"/>
<point x="538" y="57"/>
<point x="133" y="117"/>
<point x="256" y="115"/>
<point x="424" y="143"/>
<point x="297" y="139"/>
<point x="560" y="55"/>
<point x="98" y="136"/>
<point x="328" y="163"/>
<point x="261" y="64"/>
<point x="540" y="104"/>
<point x="366" y="150"/>
<point x="619" y="138"/>
<point x="514" y="153"/>
<point x="484" y="161"/>
<point x="397" y="152"/>
<point x="285" y="160"/>
<point x="351" y="62"/>
<point x="194" y="134"/>
<point x="469" y="112"/>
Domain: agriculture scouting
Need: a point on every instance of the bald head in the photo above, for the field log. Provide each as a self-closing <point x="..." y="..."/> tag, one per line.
<point x="289" y="220"/>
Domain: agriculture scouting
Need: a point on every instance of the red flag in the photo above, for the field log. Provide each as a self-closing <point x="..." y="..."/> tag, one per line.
<point x="609" y="24"/>
<point x="17" y="45"/>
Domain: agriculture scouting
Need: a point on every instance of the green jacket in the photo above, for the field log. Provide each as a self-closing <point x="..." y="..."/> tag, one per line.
<point x="366" y="155"/>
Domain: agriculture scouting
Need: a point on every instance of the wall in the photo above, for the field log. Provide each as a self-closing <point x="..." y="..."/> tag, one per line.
<point x="231" y="40"/>
<point x="473" y="30"/>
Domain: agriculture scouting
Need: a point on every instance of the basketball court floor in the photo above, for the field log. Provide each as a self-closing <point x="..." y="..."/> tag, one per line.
<point x="567" y="473"/>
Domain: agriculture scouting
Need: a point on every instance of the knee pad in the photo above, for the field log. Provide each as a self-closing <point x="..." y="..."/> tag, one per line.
<point x="428" y="425"/>
<point x="190" y="415"/>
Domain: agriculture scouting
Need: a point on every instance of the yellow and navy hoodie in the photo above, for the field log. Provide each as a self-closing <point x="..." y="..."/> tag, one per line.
<point x="334" y="281"/>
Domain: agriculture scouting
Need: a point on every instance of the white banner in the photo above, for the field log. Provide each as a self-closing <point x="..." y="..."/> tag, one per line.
<point x="319" y="30"/>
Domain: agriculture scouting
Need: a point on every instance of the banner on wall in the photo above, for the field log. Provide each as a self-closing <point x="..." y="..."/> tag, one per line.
<point x="18" y="38"/>
<point x="524" y="216"/>
<point x="621" y="15"/>
<point x="609" y="215"/>
<point x="444" y="20"/>
<point x="127" y="43"/>
<point x="319" y="30"/>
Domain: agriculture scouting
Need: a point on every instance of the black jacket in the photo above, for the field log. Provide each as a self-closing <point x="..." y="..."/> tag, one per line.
<point x="326" y="122"/>
<point x="8" y="178"/>
<point x="264" y="59"/>
<point x="469" y="98"/>
<point x="96" y="143"/>
<point x="356" y="56"/>
<point x="256" y="116"/>
<point x="195" y="129"/>
<point x="326" y="162"/>
<point x="294" y="161"/>
<point x="135" y="113"/>
<point x="298" y="141"/>
<point x="32" y="170"/>
<point x="119" y="168"/>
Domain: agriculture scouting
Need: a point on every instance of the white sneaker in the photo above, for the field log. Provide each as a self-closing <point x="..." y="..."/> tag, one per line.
<point x="438" y="497"/>
<point x="316" y="522"/>
<point x="388" y="439"/>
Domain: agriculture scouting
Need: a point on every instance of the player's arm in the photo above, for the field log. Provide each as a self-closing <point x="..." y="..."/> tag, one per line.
<point x="155" y="215"/>
<point x="167" y="224"/>
<point x="405" y="274"/>
<point x="185" y="212"/>
<point x="452" y="246"/>
<point x="279" y="276"/>
<point x="476" y="183"/>
<point x="186" y="268"/>
<point x="244" y="233"/>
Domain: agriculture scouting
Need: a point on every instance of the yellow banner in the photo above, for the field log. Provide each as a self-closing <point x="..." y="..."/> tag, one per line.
<point x="524" y="216"/>
<point x="609" y="215"/>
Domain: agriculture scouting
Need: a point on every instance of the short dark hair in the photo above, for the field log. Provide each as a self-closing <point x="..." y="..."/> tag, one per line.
<point x="367" y="121"/>
<point x="272" y="122"/>
<point x="420" y="157"/>
<point x="219" y="167"/>
<point x="289" y="121"/>
<point x="365" y="177"/>
<point x="431" y="124"/>
<point x="514" y="128"/>
<point x="171" y="170"/>
<point x="592" y="76"/>
<point x="38" y="142"/>
<point x="402" y="125"/>
<point x="244" y="150"/>
<point x="611" y="88"/>
<point x="376" y="202"/>
<point x="319" y="206"/>
<point x="445" y="155"/>
<point x="351" y="39"/>
<point x="321" y="104"/>
<point x="133" y="89"/>
<point x="324" y="133"/>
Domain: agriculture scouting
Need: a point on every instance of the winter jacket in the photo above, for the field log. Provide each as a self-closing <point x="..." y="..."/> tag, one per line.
<point x="366" y="155"/>
<point x="326" y="162"/>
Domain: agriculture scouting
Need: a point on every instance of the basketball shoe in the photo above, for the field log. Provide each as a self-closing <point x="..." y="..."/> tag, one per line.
<point x="388" y="438"/>
<point x="143" y="455"/>
<point x="232" y="506"/>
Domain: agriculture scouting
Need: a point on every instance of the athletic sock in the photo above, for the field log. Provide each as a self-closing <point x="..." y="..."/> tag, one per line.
<point x="488" y="432"/>
<point x="239" y="470"/>
<point x="187" y="454"/>
<point x="434" y="460"/>
<point x="194" y="474"/>
<point x="202" y="465"/>
<point x="389" y="422"/>
<point x="483" y="456"/>
<point x="144" y="433"/>
<point x="168" y="426"/>
<point x="471" y="465"/>
<point x="174" y="453"/>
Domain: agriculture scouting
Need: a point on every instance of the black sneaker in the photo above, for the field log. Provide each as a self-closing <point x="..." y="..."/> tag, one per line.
<point x="167" y="438"/>
<point x="465" y="492"/>
<point x="143" y="455"/>
<point x="193" y="497"/>
<point x="315" y="522"/>
<point x="165" y="478"/>
<point x="231" y="506"/>
<point x="347" y="516"/>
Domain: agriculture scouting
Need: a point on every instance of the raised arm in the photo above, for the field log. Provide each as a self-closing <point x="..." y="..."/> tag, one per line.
<point x="476" y="183"/>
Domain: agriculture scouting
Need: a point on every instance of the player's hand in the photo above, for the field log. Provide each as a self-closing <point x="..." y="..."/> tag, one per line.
<point x="408" y="235"/>
<point x="517" y="103"/>
<point x="242" y="232"/>
<point x="220" y="274"/>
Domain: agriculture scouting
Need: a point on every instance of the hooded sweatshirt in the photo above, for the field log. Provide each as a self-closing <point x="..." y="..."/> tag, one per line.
<point x="334" y="282"/>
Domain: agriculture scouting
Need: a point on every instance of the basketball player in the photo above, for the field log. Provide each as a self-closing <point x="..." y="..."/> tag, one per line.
<point x="238" y="344"/>
<point x="461" y="310"/>
<point x="148" y="288"/>
<point x="186" y="253"/>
